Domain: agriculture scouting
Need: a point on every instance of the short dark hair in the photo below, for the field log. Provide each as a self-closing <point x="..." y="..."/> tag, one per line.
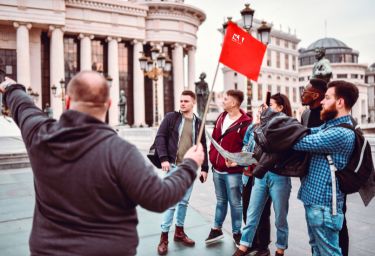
<point x="237" y="94"/>
<point x="319" y="85"/>
<point x="346" y="90"/>
<point x="189" y="93"/>
<point x="81" y="89"/>
<point x="283" y="100"/>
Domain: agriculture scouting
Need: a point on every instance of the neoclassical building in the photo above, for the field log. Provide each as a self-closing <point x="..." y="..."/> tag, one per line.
<point x="43" y="42"/>
<point x="345" y="66"/>
<point x="279" y="71"/>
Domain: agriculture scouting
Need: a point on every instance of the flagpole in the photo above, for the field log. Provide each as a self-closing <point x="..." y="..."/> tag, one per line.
<point x="207" y="105"/>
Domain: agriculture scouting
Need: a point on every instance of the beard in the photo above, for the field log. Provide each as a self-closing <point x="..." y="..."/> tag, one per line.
<point x="328" y="114"/>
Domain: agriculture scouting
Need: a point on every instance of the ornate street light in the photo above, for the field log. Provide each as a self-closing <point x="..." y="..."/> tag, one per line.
<point x="247" y="17"/>
<point x="62" y="94"/>
<point x="264" y="32"/>
<point x="33" y="95"/>
<point x="157" y="65"/>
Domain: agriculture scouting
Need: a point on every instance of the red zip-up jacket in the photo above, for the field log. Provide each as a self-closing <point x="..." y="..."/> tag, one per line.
<point x="231" y="142"/>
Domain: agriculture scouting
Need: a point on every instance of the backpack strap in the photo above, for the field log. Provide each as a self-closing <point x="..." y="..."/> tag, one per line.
<point x="333" y="169"/>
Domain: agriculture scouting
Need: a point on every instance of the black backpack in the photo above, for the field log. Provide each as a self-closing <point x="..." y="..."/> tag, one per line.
<point x="360" y="166"/>
<point x="152" y="154"/>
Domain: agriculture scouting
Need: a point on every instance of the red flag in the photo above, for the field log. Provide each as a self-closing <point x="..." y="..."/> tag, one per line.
<point x="242" y="52"/>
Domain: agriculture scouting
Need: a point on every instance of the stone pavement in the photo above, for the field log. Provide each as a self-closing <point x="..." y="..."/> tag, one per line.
<point x="17" y="203"/>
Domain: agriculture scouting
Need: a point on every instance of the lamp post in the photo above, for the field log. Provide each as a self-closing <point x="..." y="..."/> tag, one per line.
<point x="62" y="94"/>
<point x="263" y="34"/>
<point x="153" y="67"/>
<point x="34" y="95"/>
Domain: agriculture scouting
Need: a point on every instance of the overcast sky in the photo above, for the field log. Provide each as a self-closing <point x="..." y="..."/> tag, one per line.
<point x="352" y="22"/>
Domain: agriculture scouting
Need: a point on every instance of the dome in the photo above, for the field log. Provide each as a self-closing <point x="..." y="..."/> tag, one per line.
<point x="328" y="43"/>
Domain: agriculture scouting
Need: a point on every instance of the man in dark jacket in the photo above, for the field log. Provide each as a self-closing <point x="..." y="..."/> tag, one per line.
<point x="229" y="131"/>
<point x="312" y="96"/>
<point x="177" y="133"/>
<point x="87" y="179"/>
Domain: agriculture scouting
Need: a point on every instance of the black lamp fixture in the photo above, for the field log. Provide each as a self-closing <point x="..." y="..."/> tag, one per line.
<point x="247" y="17"/>
<point x="264" y="32"/>
<point x="225" y="24"/>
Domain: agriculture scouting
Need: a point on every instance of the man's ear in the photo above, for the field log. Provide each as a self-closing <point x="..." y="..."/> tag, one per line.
<point x="109" y="102"/>
<point x="67" y="102"/>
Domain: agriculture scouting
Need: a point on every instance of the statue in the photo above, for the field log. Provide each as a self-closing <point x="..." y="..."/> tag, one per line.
<point x="123" y="108"/>
<point x="322" y="68"/>
<point x="201" y="90"/>
<point x="48" y="110"/>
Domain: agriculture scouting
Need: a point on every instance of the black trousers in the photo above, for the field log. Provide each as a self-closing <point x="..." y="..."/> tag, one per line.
<point x="344" y="235"/>
<point x="263" y="233"/>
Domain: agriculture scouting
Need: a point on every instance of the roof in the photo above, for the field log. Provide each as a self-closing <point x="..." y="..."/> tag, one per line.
<point x="327" y="42"/>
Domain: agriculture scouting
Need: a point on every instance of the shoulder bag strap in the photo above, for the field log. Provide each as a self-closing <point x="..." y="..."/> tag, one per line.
<point x="333" y="169"/>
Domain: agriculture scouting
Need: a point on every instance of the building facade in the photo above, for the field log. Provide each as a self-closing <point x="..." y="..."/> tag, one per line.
<point x="370" y="80"/>
<point x="279" y="72"/>
<point x="43" y="44"/>
<point x="345" y="66"/>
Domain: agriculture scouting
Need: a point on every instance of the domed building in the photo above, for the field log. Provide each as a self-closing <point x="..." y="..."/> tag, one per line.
<point x="44" y="43"/>
<point x="345" y="66"/>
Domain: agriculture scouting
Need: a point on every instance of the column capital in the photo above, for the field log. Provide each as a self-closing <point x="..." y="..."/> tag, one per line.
<point x="191" y="48"/>
<point x="175" y="45"/>
<point x="135" y="41"/>
<point x="17" y="24"/>
<point x="53" y="27"/>
<point x="82" y="35"/>
<point x="110" y="38"/>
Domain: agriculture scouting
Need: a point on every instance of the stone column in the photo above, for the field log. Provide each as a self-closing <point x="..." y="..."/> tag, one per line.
<point x="178" y="74"/>
<point x="160" y="90"/>
<point x="113" y="72"/>
<point x="138" y="85"/>
<point x="191" y="68"/>
<point x="23" y="53"/>
<point x="85" y="51"/>
<point x="57" y="69"/>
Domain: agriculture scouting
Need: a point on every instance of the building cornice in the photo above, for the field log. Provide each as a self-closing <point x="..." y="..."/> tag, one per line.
<point x="110" y="6"/>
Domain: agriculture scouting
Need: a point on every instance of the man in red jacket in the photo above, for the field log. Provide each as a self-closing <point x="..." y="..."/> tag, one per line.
<point x="229" y="132"/>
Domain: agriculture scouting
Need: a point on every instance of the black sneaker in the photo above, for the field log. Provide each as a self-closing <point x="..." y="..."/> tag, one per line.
<point x="265" y="252"/>
<point x="237" y="238"/>
<point x="215" y="235"/>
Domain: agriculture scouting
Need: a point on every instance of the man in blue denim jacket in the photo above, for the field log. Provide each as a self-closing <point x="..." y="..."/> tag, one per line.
<point x="316" y="188"/>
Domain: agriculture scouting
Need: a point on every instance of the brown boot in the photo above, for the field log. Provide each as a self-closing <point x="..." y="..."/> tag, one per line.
<point x="163" y="245"/>
<point x="180" y="236"/>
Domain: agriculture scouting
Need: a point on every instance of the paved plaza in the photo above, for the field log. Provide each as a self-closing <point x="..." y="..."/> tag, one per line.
<point x="17" y="203"/>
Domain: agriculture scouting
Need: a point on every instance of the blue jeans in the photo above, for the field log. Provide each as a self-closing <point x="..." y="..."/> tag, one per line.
<point x="278" y="188"/>
<point x="324" y="229"/>
<point x="181" y="208"/>
<point x="228" y="188"/>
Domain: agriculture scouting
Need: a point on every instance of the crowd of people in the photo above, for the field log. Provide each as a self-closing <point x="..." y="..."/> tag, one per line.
<point x="88" y="180"/>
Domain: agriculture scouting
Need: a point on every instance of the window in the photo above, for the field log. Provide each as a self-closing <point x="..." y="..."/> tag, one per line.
<point x="260" y="92"/>
<point x="342" y="75"/>
<point x="287" y="91"/>
<point x="70" y="57"/>
<point x="97" y="55"/>
<point x="286" y="78"/>
<point x="278" y="59"/>
<point x="361" y="76"/>
<point x="269" y="88"/>
<point x="278" y="78"/>
<point x="269" y="76"/>
<point x="294" y="94"/>
<point x="301" y="79"/>
<point x="286" y="61"/>
<point x="269" y="58"/>
<point x="354" y="76"/>
<point x="235" y="86"/>
<point x="294" y="46"/>
<point x="294" y="61"/>
<point x="286" y="44"/>
<point x="278" y="88"/>
<point x="277" y="41"/>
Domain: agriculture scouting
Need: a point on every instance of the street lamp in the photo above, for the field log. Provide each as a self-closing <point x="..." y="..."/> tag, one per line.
<point x="34" y="95"/>
<point x="62" y="94"/>
<point x="263" y="33"/>
<point x="157" y="65"/>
